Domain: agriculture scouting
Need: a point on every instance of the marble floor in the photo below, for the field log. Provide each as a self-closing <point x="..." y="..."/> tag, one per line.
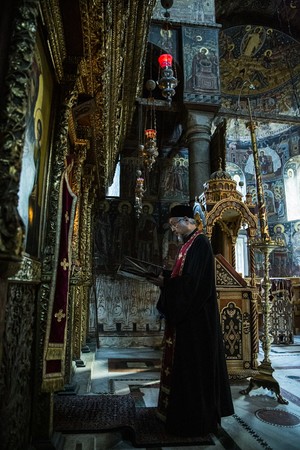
<point x="245" y="430"/>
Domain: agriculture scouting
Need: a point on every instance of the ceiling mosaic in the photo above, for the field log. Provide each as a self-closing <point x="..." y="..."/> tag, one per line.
<point x="262" y="64"/>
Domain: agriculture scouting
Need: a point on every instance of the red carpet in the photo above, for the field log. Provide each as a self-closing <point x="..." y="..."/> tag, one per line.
<point x="97" y="413"/>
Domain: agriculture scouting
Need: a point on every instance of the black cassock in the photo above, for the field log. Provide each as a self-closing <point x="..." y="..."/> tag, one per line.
<point x="194" y="390"/>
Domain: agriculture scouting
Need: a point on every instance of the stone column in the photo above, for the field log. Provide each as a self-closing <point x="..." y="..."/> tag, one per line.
<point x="198" y="134"/>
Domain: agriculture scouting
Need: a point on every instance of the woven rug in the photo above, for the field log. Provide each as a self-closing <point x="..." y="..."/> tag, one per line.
<point x="133" y="365"/>
<point x="100" y="413"/>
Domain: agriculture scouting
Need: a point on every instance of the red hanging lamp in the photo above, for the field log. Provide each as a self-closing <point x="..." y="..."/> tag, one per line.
<point x="167" y="82"/>
<point x="165" y="60"/>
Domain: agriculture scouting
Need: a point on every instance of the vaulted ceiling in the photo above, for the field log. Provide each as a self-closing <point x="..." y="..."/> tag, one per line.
<point x="283" y="15"/>
<point x="107" y="39"/>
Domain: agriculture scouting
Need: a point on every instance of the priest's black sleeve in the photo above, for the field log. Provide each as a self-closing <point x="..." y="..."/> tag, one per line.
<point x="186" y="294"/>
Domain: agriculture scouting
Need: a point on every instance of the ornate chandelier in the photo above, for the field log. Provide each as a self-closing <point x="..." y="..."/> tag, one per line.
<point x="149" y="149"/>
<point x="167" y="81"/>
<point x="139" y="193"/>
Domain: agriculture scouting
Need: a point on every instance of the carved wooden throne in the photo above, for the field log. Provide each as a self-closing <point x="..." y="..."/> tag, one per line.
<point x="225" y="214"/>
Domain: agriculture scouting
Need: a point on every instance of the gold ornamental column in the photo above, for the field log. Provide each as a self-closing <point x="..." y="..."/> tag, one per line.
<point x="76" y="279"/>
<point x="85" y="248"/>
<point x="89" y="279"/>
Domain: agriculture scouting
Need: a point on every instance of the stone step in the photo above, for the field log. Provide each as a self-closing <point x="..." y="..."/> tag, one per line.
<point x="82" y="372"/>
<point x="103" y="441"/>
<point x="80" y="442"/>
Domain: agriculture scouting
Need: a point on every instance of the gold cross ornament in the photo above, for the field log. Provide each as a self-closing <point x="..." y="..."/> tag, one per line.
<point x="64" y="264"/>
<point x="59" y="315"/>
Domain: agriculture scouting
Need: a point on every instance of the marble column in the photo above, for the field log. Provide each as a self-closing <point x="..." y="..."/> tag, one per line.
<point x="198" y="134"/>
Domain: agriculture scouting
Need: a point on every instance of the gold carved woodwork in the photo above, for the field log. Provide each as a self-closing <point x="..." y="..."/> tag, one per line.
<point x="224" y="206"/>
<point x="105" y="70"/>
<point x="239" y="320"/>
<point x="59" y="154"/>
<point x="80" y="156"/>
<point x="81" y="294"/>
<point x="237" y="213"/>
<point x="85" y="240"/>
<point x="112" y="56"/>
<point x="51" y="16"/>
<point x="13" y="124"/>
<point x="29" y="271"/>
<point x="77" y="295"/>
<point x="17" y="364"/>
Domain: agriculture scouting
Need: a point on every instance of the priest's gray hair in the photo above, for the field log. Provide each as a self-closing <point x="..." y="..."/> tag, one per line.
<point x="192" y="221"/>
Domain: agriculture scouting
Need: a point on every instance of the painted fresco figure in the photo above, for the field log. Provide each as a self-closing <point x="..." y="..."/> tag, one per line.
<point x="296" y="247"/>
<point x="279" y="256"/>
<point x="252" y="40"/>
<point x="270" y="201"/>
<point x="269" y="161"/>
<point x="266" y="164"/>
<point x="122" y="232"/>
<point x="170" y="246"/>
<point x="146" y="235"/>
<point x="174" y="182"/>
<point x="103" y="235"/>
<point x="203" y="68"/>
<point x="292" y="187"/>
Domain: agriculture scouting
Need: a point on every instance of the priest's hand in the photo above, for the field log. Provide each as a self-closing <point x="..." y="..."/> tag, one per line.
<point x="158" y="281"/>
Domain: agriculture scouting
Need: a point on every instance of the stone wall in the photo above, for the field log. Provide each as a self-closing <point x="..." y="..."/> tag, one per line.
<point x="126" y="314"/>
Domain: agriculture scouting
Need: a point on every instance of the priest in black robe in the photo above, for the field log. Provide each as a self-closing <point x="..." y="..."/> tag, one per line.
<point x="194" y="386"/>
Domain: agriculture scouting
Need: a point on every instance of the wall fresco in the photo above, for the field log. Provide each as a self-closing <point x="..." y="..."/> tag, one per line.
<point x="279" y="155"/>
<point x="149" y="236"/>
<point x="188" y="11"/>
<point x="201" y="65"/>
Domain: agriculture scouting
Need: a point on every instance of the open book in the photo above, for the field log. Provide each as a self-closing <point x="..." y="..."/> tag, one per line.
<point x="137" y="269"/>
